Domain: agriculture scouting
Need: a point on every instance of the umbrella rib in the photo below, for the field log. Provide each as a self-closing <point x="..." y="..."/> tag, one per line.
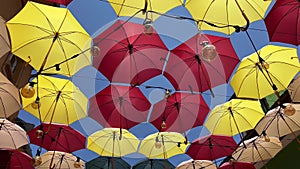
<point x="50" y="24"/>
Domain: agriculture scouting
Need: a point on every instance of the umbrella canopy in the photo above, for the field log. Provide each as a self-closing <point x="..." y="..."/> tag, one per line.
<point x="54" y="31"/>
<point x="237" y="165"/>
<point x="12" y="136"/>
<point x="278" y="122"/>
<point x="229" y="13"/>
<point x="107" y="162"/>
<point x="57" y="137"/>
<point x="191" y="68"/>
<point x="193" y="164"/>
<point x="128" y="55"/>
<point x="56" y="100"/>
<point x="234" y="117"/>
<point x="257" y="149"/>
<point x="13" y="159"/>
<point x="153" y="164"/>
<point x="60" y="160"/>
<point x="119" y="106"/>
<point x="163" y="145"/>
<point x="212" y="147"/>
<point x="113" y="142"/>
<point x="62" y="2"/>
<point x="179" y="112"/>
<point x="283" y="13"/>
<point x="131" y="7"/>
<point x="294" y="90"/>
<point x="10" y="101"/>
<point x="263" y="71"/>
<point x="4" y="38"/>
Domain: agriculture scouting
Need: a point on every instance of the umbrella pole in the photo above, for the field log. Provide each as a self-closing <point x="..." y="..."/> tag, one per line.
<point x="296" y="137"/>
<point x="230" y="110"/>
<point x="260" y="155"/>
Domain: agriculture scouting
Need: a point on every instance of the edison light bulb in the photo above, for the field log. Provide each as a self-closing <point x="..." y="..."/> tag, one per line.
<point x="36" y="104"/>
<point x="267" y="138"/>
<point x="39" y="133"/>
<point x="209" y="52"/>
<point x="77" y="163"/>
<point x="148" y="27"/>
<point x="157" y="143"/>
<point x="265" y="65"/>
<point x="37" y="160"/>
<point x="95" y="51"/>
<point x="28" y="91"/>
<point x="289" y="110"/>
<point x="163" y="125"/>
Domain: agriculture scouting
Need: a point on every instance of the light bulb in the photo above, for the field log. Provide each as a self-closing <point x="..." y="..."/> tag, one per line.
<point x="157" y="143"/>
<point x="37" y="160"/>
<point x="28" y="91"/>
<point x="267" y="138"/>
<point x="265" y="65"/>
<point x="39" y="133"/>
<point x="209" y="52"/>
<point x="77" y="163"/>
<point x="95" y="51"/>
<point x="163" y="125"/>
<point x="167" y="93"/>
<point x="289" y="110"/>
<point x="148" y="27"/>
<point x="36" y="104"/>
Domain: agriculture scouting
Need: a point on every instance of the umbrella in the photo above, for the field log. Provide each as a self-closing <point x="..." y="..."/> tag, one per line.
<point x="56" y="100"/>
<point x="62" y="2"/>
<point x="60" y="160"/>
<point x="192" y="67"/>
<point x="294" y="90"/>
<point x="212" y="147"/>
<point x="57" y="137"/>
<point x="13" y="159"/>
<point x="131" y="8"/>
<point x="106" y="162"/>
<point x="113" y="142"/>
<point x="237" y="165"/>
<point x="163" y="145"/>
<point x="127" y="55"/>
<point x="4" y="38"/>
<point x="10" y="101"/>
<point x="49" y="37"/>
<point x="279" y="121"/>
<point x="234" y="117"/>
<point x="193" y="164"/>
<point x="257" y="149"/>
<point x="283" y="13"/>
<point x="12" y="136"/>
<point x="119" y="106"/>
<point x="231" y="13"/>
<point x="153" y="164"/>
<point x="263" y="71"/>
<point x="179" y="112"/>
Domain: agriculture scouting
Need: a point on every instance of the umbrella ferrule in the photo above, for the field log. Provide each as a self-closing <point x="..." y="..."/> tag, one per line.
<point x="55" y="36"/>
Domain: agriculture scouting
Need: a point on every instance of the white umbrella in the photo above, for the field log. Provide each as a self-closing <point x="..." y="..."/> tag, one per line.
<point x="194" y="164"/>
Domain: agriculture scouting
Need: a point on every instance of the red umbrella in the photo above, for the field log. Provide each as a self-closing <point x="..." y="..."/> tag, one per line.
<point x="57" y="137"/>
<point x="62" y="2"/>
<point x="179" y="112"/>
<point x="124" y="51"/>
<point x="237" y="165"/>
<point x="190" y="67"/>
<point x="119" y="107"/>
<point x="212" y="147"/>
<point x="13" y="159"/>
<point x="283" y="22"/>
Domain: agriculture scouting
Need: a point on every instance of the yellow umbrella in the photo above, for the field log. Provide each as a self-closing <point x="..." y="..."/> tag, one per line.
<point x="56" y="100"/>
<point x="163" y="145"/>
<point x="51" y="37"/>
<point x="113" y="142"/>
<point x="263" y="73"/>
<point x="131" y="7"/>
<point x="234" y="117"/>
<point x="226" y="12"/>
